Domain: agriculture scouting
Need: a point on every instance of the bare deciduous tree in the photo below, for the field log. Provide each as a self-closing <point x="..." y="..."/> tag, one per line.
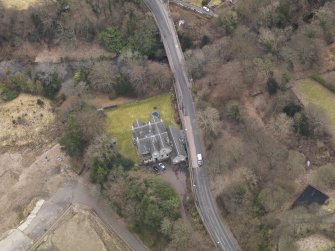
<point x="209" y="120"/>
<point x="103" y="76"/>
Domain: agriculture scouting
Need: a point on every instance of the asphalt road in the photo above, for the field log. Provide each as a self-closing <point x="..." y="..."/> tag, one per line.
<point x="208" y="210"/>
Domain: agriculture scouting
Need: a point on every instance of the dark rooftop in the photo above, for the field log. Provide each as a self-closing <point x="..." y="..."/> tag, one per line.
<point x="310" y="195"/>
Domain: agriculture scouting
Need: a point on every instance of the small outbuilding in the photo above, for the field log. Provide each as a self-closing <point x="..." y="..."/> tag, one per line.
<point x="309" y="196"/>
<point x="178" y="153"/>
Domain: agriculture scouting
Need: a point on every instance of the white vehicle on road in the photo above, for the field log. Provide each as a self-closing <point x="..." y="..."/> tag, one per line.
<point x="205" y="8"/>
<point x="199" y="159"/>
<point x="162" y="166"/>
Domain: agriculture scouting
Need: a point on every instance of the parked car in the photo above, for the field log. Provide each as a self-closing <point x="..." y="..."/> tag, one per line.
<point x="162" y="166"/>
<point x="199" y="159"/>
<point x="156" y="169"/>
<point x="205" y="8"/>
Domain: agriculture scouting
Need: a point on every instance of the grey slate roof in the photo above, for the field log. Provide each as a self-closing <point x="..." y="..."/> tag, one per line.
<point x="150" y="137"/>
<point x="177" y="138"/>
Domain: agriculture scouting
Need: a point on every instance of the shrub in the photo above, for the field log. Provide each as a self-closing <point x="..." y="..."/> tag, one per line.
<point x="272" y="86"/>
<point x="228" y="21"/>
<point x="291" y="109"/>
<point x="205" y="2"/>
<point x="124" y="87"/>
<point x="322" y="81"/>
<point x="51" y="85"/>
<point x="22" y="82"/>
<point x="100" y="171"/>
<point x="301" y="124"/>
<point x="282" y="15"/>
<point x="7" y="94"/>
<point x="185" y="41"/>
<point x="155" y="201"/>
<point x="233" y="111"/>
<point x="38" y="24"/>
<point x="72" y="142"/>
<point x="62" y="6"/>
<point x="40" y="102"/>
<point x="82" y="74"/>
<point x="204" y="41"/>
<point x="111" y="40"/>
<point x="146" y="39"/>
<point x="126" y="163"/>
<point x="43" y="84"/>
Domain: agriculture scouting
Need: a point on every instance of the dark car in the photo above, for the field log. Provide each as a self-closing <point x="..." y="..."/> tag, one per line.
<point x="156" y="169"/>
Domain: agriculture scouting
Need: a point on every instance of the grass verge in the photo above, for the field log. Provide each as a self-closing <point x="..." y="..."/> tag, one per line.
<point x="310" y="92"/>
<point x="20" y="4"/>
<point x="322" y="81"/>
<point x="212" y="3"/>
<point x="120" y="120"/>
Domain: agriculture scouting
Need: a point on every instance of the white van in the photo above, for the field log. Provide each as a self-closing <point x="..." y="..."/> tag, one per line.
<point x="199" y="159"/>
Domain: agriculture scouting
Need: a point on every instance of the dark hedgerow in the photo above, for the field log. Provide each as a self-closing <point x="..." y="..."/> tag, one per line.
<point x="272" y="86"/>
<point x="301" y="124"/>
<point x="291" y="109"/>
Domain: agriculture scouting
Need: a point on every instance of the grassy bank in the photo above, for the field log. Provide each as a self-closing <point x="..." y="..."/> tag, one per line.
<point x="310" y="92"/>
<point x="120" y="120"/>
<point x="212" y="3"/>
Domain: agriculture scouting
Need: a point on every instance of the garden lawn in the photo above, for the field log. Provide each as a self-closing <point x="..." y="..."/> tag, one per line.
<point x="311" y="92"/>
<point x="20" y="4"/>
<point x="120" y="120"/>
<point x="212" y="3"/>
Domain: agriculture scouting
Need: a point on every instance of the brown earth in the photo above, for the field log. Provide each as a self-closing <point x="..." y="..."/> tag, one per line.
<point x="25" y="177"/>
<point x="25" y="123"/>
<point x="81" y="230"/>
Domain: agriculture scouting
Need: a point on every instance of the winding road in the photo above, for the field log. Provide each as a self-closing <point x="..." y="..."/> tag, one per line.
<point x="207" y="208"/>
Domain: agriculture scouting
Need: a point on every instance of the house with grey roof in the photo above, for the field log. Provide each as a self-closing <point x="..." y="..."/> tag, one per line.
<point x="178" y="153"/>
<point x="155" y="143"/>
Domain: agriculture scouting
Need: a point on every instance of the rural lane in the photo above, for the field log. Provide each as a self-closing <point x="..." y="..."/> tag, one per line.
<point x="215" y="225"/>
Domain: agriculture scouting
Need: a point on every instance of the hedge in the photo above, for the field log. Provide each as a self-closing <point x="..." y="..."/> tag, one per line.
<point x="318" y="78"/>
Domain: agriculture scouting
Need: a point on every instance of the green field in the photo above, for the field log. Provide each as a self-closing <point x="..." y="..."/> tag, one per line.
<point x="212" y="3"/>
<point x="311" y="92"/>
<point x="120" y="120"/>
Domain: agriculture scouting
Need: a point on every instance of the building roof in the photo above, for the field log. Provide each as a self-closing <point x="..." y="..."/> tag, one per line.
<point x="310" y="195"/>
<point x="178" y="138"/>
<point x="150" y="137"/>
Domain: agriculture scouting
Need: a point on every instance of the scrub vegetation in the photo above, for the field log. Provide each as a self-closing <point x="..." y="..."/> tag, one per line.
<point x="262" y="117"/>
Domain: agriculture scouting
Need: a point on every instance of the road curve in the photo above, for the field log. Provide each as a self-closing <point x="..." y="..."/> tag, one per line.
<point x="215" y="225"/>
